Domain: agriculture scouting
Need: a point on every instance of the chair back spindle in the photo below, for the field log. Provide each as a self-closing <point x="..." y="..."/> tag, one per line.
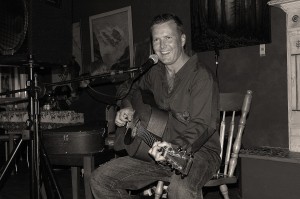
<point x="222" y="132"/>
<point x="238" y="140"/>
<point x="229" y="143"/>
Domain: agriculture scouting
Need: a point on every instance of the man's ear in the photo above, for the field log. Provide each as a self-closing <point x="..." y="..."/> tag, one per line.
<point x="183" y="40"/>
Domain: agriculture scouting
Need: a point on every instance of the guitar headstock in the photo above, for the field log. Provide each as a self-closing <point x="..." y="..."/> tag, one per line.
<point x="178" y="159"/>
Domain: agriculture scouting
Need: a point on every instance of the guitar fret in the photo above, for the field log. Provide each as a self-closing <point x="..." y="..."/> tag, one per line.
<point x="146" y="136"/>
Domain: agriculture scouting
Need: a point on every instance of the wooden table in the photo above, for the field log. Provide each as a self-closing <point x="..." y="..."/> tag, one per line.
<point x="76" y="161"/>
<point x="14" y="122"/>
<point x="76" y="146"/>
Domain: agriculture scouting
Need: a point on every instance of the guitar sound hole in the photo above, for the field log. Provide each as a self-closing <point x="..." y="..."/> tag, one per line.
<point x="128" y="139"/>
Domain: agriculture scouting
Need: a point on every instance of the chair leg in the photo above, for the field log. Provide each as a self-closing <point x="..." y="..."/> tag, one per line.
<point x="159" y="189"/>
<point x="224" y="190"/>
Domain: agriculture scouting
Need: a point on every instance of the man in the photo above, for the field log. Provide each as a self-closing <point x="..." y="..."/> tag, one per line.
<point x="188" y="91"/>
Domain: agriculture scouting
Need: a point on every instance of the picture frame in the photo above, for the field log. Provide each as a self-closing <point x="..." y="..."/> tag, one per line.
<point x="229" y="24"/>
<point x="112" y="40"/>
<point x="76" y="43"/>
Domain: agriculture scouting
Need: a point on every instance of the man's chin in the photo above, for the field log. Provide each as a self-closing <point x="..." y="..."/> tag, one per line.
<point x="164" y="59"/>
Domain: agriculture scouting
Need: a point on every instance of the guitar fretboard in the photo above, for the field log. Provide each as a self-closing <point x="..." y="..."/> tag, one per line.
<point x="181" y="162"/>
<point x="146" y="136"/>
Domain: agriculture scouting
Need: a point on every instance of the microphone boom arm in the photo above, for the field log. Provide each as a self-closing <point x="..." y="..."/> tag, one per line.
<point x="103" y="75"/>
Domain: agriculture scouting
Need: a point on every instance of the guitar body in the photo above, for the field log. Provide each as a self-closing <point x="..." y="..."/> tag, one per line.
<point x="137" y="149"/>
<point x="150" y="117"/>
<point x="148" y="125"/>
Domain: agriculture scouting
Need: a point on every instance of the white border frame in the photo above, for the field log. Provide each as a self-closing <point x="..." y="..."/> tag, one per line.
<point x="130" y="39"/>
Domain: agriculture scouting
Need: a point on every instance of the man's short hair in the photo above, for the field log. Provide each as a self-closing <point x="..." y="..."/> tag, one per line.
<point x="162" y="18"/>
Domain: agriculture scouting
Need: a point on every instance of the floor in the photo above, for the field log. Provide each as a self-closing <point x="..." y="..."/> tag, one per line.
<point x="17" y="185"/>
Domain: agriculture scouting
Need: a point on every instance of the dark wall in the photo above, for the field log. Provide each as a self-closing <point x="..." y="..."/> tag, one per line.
<point x="239" y="68"/>
<point x="269" y="177"/>
<point x="243" y="68"/>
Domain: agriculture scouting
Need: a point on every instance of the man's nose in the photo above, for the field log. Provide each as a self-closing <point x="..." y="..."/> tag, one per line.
<point x="163" y="44"/>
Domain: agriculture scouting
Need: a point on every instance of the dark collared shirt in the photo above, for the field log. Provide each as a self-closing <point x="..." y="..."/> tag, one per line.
<point x="192" y="104"/>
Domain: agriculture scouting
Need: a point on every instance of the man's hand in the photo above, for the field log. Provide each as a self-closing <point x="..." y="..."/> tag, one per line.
<point x="123" y="116"/>
<point x="156" y="150"/>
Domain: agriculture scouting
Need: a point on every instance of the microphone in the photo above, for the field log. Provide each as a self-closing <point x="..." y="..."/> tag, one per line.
<point x="152" y="60"/>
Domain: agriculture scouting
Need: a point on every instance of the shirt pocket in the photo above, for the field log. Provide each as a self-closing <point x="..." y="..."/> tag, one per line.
<point x="180" y="108"/>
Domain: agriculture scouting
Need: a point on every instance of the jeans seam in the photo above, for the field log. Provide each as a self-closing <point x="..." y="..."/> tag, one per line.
<point x="122" y="179"/>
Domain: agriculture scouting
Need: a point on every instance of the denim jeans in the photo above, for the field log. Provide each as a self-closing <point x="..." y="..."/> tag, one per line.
<point x="112" y="179"/>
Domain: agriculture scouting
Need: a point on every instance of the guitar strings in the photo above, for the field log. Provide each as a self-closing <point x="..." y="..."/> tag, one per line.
<point x="146" y="136"/>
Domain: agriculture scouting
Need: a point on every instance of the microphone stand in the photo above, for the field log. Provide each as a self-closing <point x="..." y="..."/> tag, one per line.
<point x="128" y="74"/>
<point x="217" y="54"/>
<point x="40" y="168"/>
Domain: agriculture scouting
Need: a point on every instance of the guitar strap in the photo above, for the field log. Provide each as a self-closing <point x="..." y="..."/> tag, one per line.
<point x="202" y="139"/>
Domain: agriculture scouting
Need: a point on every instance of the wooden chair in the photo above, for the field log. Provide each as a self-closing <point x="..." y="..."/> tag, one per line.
<point x="230" y="105"/>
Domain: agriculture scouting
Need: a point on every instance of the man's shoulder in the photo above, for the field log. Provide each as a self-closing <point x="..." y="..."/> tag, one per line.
<point x="156" y="70"/>
<point x="203" y="70"/>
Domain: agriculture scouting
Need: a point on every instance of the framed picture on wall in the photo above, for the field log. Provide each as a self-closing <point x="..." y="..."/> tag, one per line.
<point x="227" y="24"/>
<point x="76" y="43"/>
<point x="111" y="39"/>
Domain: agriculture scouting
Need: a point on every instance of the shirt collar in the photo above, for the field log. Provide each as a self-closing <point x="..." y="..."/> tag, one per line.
<point x="187" y="67"/>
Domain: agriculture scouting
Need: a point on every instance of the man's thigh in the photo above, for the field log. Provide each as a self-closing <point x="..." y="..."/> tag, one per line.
<point x="190" y="187"/>
<point x="131" y="173"/>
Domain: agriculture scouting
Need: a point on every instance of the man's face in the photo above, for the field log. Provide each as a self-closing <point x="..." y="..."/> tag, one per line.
<point x="167" y="42"/>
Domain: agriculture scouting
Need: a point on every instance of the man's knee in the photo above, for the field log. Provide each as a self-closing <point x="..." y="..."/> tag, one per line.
<point x="98" y="179"/>
<point x="183" y="188"/>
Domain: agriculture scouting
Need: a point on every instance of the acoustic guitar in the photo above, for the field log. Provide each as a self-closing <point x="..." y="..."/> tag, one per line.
<point x="148" y="125"/>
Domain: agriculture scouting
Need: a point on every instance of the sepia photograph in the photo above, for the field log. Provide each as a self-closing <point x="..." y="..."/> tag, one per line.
<point x="153" y="99"/>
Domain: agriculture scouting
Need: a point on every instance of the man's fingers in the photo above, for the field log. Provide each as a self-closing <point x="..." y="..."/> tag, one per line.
<point x="164" y="144"/>
<point x="159" y="158"/>
<point x="155" y="143"/>
<point x="118" y="121"/>
<point x="156" y="153"/>
<point x="130" y="116"/>
<point x="120" y="124"/>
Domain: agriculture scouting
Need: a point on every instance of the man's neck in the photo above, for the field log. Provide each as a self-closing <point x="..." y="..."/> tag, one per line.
<point x="174" y="68"/>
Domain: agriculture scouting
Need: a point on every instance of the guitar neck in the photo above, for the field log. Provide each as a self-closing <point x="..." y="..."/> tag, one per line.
<point x="146" y="136"/>
<point x="179" y="160"/>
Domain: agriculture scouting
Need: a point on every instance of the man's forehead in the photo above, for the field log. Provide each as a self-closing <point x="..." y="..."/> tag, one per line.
<point x="169" y="22"/>
<point x="166" y="27"/>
